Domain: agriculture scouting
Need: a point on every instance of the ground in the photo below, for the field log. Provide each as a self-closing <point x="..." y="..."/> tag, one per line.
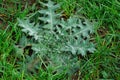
<point x="104" y="63"/>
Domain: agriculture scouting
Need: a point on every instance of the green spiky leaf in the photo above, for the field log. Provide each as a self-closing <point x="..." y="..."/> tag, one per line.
<point x="29" y="28"/>
<point x="56" y="39"/>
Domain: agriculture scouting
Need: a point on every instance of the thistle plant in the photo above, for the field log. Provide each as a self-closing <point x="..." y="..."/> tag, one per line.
<point x="57" y="41"/>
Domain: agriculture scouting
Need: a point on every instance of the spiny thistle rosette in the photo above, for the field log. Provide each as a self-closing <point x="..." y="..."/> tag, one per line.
<point x="56" y="41"/>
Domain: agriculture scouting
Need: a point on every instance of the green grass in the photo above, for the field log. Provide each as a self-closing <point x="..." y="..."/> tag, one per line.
<point x="103" y="64"/>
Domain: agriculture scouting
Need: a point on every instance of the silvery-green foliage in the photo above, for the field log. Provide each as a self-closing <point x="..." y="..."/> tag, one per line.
<point x="49" y="17"/>
<point x="79" y="46"/>
<point x="29" y="28"/>
<point x="76" y="31"/>
<point x="75" y="27"/>
<point x="56" y="39"/>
